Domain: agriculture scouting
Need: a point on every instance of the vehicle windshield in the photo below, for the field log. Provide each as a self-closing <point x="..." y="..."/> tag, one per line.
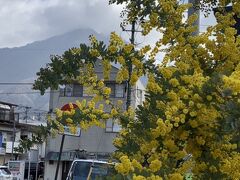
<point x="5" y="171"/>
<point x="99" y="170"/>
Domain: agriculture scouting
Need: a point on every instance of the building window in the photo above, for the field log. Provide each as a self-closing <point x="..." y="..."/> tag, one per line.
<point x="113" y="126"/>
<point x="72" y="90"/>
<point x="2" y="114"/>
<point x="119" y="90"/>
<point x="86" y="92"/>
<point x="5" y="115"/>
<point x="24" y="137"/>
<point x="77" y="90"/>
<point x="9" y="136"/>
<point x="67" y="90"/>
<point x="112" y="87"/>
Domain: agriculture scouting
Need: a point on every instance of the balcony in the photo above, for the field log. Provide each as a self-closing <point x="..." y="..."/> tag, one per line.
<point x="2" y="151"/>
<point x="7" y="116"/>
<point x="9" y="145"/>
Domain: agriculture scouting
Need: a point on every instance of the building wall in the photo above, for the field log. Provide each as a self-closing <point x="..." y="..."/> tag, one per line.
<point x="89" y="140"/>
<point x="7" y="134"/>
<point x="138" y="92"/>
<point x="95" y="139"/>
<point x="4" y="159"/>
<point x="50" y="169"/>
<point x="6" y="139"/>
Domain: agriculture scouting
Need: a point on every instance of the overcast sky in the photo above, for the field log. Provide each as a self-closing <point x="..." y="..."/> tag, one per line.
<point x="25" y="21"/>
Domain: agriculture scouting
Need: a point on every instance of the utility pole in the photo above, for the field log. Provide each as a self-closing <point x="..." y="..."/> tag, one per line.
<point x="132" y="41"/>
<point x="129" y="87"/>
<point x="59" y="157"/>
<point x="29" y="164"/>
<point x="37" y="166"/>
<point x="12" y="117"/>
<point x="26" y="113"/>
<point x="195" y="10"/>
<point x="67" y="108"/>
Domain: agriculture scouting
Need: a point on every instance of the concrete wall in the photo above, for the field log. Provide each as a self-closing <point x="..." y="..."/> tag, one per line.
<point x="94" y="139"/>
<point x="6" y="131"/>
<point x="4" y="158"/>
<point x="50" y="169"/>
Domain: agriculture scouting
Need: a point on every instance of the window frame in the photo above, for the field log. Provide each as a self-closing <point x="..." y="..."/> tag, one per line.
<point x="111" y="83"/>
<point x="63" y="91"/>
<point x="80" y="94"/>
<point x="123" y="90"/>
<point x="112" y="127"/>
<point x="69" y="90"/>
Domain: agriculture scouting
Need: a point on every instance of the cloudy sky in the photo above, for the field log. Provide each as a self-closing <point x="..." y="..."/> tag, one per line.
<point x="25" y="21"/>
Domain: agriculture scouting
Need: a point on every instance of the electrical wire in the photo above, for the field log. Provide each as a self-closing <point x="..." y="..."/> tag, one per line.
<point x="13" y="93"/>
<point x="38" y="49"/>
<point x="32" y="92"/>
<point x="16" y="83"/>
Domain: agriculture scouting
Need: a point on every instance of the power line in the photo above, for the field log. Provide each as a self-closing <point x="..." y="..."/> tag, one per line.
<point x="32" y="92"/>
<point x="13" y="93"/>
<point x="40" y="49"/>
<point x="16" y="83"/>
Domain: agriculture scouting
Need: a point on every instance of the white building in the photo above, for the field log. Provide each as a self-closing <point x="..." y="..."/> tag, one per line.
<point x="12" y="130"/>
<point x="96" y="141"/>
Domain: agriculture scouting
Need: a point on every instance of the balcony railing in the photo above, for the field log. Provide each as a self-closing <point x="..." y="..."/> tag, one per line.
<point x="9" y="145"/>
<point x="8" y="116"/>
<point x="2" y="151"/>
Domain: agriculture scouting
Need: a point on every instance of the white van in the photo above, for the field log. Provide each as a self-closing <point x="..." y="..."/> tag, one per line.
<point x="83" y="169"/>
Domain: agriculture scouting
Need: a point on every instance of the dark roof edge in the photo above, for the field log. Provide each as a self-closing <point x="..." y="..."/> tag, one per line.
<point x="9" y="104"/>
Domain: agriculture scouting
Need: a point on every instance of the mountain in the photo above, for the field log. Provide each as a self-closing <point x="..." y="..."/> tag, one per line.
<point x="20" y="64"/>
<point x="23" y="62"/>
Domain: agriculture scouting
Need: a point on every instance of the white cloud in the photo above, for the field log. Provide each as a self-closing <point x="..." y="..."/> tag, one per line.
<point x="24" y="21"/>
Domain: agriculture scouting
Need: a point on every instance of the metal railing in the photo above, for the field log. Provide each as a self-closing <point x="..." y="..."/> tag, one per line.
<point x="7" y="116"/>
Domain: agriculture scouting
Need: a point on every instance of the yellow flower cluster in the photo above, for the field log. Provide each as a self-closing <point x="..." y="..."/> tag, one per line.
<point x="152" y="177"/>
<point x="149" y="146"/>
<point x="106" y="68"/>
<point x="152" y="86"/>
<point x="128" y="48"/>
<point x="231" y="166"/>
<point x="134" y="78"/>
<point x="121" y="60"/>
<point x="175" y="176"/>
<point x="232" y="82"/>
<point x="94" y="52"/>
<point x="116" y="39"/>
<point x="136" y="164"/>
<point x="107" y="91"/>
<point x="138" y="177"/>
<point x="125" y="166"/>
<point x="59" y="113"/>
<point x="122" y="75"/>
<point x="137" y="63"/>
<point x="162" y="129"/>
<point x="155" y="165"/>
<point x="112" y="49"/>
